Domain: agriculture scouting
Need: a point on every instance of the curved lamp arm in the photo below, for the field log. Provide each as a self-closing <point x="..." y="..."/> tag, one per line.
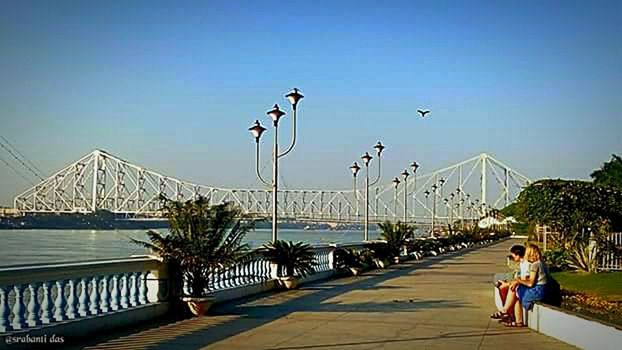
<point x="257" y="167"/>
<point x="373" y="183"/>
<point x="291" y="147"/>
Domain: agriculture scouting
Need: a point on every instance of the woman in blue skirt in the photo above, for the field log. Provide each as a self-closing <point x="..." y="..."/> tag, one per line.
<point x="532" y="288"/>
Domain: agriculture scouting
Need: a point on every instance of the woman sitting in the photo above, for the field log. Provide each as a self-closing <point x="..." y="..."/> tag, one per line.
<point x="527" y="290"/>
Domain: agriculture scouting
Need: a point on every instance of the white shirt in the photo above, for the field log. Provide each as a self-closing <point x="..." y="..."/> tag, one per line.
<point x="524" y="268"/>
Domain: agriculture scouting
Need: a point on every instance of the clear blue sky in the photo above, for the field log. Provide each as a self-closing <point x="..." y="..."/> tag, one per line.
<point x="174" y="87"/>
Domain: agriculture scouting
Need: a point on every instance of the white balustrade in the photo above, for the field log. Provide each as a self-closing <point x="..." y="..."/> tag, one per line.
<point x="72" y="291"/>
<point x="44" y="294"/>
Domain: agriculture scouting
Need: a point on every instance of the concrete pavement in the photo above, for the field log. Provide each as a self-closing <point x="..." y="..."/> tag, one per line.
<point x="439" y="303"/>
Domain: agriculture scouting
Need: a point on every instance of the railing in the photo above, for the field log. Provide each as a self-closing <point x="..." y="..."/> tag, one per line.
<point x="257" y="270"/>
<point x="49" y="294"/>
<point x="611" y="262"/>
<point x="260" y="270"/>
<point x="44" y="294"/>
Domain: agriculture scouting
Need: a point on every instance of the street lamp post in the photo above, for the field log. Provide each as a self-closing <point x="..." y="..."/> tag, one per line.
<point x="451" y="214"/>
<point x="355" y="170"/>
<point x="446" y="202"/>
<point x="414" y="166"/>
<point x="433" y="209"/>
<point x="405" y="175"/>
<point x="366" y="160"/>
<point x="257" y="130"/>
<point x="396" y="184"/>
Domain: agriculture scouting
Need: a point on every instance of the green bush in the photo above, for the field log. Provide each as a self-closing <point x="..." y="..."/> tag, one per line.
<point x="556" y="260"/>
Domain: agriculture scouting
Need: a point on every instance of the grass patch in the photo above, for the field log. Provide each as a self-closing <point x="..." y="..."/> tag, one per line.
<point x="607" y="285"/>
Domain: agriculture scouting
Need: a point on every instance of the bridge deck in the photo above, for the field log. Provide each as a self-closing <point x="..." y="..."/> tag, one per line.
<point x="441" y="303"/>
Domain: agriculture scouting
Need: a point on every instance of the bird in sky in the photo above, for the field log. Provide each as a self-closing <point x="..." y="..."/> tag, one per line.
<point x="423" y="112"/>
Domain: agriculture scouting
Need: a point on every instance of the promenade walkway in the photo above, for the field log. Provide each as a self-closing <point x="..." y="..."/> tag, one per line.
<point x="442" y="303"/>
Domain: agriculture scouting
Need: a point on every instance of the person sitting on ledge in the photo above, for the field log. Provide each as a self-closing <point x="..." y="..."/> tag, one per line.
<point x="517" y="254"/>
<point x="528" y="290"/>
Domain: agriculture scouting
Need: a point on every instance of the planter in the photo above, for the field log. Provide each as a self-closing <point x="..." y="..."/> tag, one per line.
<point x="382" y="263"/>
<point x="198" y="306"/>
<point x="289" y="282"/>
<point x="356" y="271"/>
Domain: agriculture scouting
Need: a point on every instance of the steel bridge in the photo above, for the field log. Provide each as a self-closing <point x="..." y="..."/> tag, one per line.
<point x="102" y="181"/>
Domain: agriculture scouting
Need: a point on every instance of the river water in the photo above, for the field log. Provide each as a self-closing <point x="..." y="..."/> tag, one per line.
<point x="19" y="247"/>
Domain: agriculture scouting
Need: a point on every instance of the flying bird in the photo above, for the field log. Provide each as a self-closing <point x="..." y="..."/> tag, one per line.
<point x="423" y="113"/>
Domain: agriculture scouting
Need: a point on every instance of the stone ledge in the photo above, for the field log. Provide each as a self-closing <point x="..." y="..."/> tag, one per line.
<point x="577" y="330"/>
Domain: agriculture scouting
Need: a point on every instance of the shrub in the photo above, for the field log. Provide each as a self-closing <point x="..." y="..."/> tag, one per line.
<point x="556" y="260"/>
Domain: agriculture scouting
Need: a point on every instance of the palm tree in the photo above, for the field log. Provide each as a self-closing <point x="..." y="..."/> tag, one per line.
<point x="201" y="239"/>
<point x="294" y="258"/>
<point x="396" y="234"/>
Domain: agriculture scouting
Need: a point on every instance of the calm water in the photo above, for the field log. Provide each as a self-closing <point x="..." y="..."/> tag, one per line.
<point x="38" y="246"/>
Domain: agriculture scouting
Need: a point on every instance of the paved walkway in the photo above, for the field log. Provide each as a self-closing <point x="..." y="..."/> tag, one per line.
<point x="442" y="303"/>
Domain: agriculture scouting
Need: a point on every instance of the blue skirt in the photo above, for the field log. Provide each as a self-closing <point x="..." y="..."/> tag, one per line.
<point x="528" y="296"/>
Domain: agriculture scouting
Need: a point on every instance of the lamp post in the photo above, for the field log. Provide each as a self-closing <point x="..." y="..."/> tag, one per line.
<point x="426" y="194"/>
<point x="414" y="166"/>
<point x="434" y="187"/>
<point x="451" y="213"/>
<point x="396" y="184"/>
<point x="446" y="202"/>
<point x="405" y="175"/>
<point x="355" y="170"/>
<point x="379" y="147"/>
<point x="257" y="130"/>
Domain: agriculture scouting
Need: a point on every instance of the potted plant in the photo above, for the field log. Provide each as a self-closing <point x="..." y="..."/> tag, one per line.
<point x="347" y="259"/>
<point x="395" y="235"/>
<point x="201" y="239"/>
<point x="291" y="260"/>
<point x="382" y="254"/>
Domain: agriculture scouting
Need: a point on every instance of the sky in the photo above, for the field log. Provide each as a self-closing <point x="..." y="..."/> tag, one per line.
<point x="174" y="86"/>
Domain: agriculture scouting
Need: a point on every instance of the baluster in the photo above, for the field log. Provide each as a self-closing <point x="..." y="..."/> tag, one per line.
<point x="94" y="307"/>
<point x="60" y="302"/>
<point x="214" y="278"/>
<point x="105" y="295"/>
<point x="19" y="308"/>
<point x="142" y="290"/>
<point x="267" y="270"/>
<point x="5" y="324"/>
<point x="133" y="289"/>
<point x="247" y="272"/>
<point x="83" y="300"/>
<point x="46" y="303"/>
<point x="222" y="278"/>
<point x="233" y="275"/>
<point x="72" y="299"/>
<point x="114" y="296"/>
<point x="257" y="271"/>
<point x="125" y="301"/>
<point x="227" y="277"/>
<point x="33" y="305"/>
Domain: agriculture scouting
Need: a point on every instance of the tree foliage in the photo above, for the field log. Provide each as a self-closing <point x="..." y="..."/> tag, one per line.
<point x="297" y="259"/>
<point x="396" y="234"/>
<point x="201" y="239"/>
<point x="610" y="174"/>
<point x="582" y="213"/>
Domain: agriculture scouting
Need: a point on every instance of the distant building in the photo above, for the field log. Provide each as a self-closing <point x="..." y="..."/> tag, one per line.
<point x="9" y="212"/>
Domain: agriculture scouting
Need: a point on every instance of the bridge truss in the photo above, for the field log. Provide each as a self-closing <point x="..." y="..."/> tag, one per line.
<point x="101" y="181"/>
